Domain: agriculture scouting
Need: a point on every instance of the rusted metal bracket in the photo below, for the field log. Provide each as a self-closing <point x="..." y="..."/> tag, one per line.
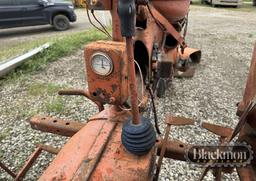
<point x="55" y="126"/>
<point x="174" y="149"/>
<point x="179" y="121"/>
<point x="175" y="121"/>
<point x="7" y="170"/>
<point x="21" y="174"/>
<point x="223" y="132"/>
<point x="169" y="27"/>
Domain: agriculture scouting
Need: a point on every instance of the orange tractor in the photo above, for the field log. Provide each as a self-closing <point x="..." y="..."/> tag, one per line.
<point x="124" y="74"/>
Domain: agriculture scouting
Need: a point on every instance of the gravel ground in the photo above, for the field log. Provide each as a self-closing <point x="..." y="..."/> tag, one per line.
<point x="226" y="38"/>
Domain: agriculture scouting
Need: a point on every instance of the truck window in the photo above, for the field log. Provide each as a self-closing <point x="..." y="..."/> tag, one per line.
<point x="27" y="2"/>
<point x="6" y="2"/>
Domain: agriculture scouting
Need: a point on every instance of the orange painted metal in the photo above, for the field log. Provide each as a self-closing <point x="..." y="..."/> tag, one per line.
<point x="247" y="125"/>
<point x="96" y="153"/>
<point x="117" y="164"/>
<point x="167" y="25"/>
<point x="190" y="53"/>
<point x="179" y="121"/>
<point x="147" y="37"/>
<point x="116" y="26"/>
<point x="21" y="174"/>
<point x="151" y="34"/>
<point x="84" y="93"/>
<point x="224" y="132"/>
<point x="55" y="126"/>
<point x="111" y="89"/>
<point x="132" y="81"/>
<point x="172" y="10"/>
<point x="174" y="149"/>
<point x="72" y="155"/>
<point x="250" y="92"/>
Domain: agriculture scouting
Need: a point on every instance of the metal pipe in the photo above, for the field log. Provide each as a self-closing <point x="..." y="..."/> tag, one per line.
<point x="78" y="92"/>
<point x="55" y="126"/>
<point x="49" y="149"/>
<point x="116" y="33"/>
<point x="162" y="152"/>
<point x="9" y="65"/>
<point x="132" y="81"/>
<point x="33" y="158"/>
<point x="28" y="164"/>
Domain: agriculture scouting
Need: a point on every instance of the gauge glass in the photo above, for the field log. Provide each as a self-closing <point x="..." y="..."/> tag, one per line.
<point x="101" y="64"/>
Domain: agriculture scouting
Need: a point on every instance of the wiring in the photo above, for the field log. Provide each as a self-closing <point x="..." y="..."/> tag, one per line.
<point x="142" y="85"/>
<point x="154" y="110"/>
<point x="89" y="18"/>
<point x="104" y="28"/>
<point x="141" y="78"/>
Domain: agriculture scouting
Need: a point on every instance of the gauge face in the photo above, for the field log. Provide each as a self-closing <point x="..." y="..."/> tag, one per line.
<point x="101" y="64"/>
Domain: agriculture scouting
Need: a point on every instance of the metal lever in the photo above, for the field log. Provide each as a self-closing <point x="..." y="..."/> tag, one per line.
<point x="79" y="92"/>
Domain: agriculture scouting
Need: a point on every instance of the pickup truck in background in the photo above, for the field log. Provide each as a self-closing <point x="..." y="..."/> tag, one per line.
<point x="17" y="13"/>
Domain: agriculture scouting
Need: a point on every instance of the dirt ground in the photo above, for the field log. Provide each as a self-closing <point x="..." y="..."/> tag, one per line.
<point x="226" y="39"/>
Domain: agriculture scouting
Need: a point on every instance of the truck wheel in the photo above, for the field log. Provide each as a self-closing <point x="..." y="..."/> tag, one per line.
<point x="61" y="22"/>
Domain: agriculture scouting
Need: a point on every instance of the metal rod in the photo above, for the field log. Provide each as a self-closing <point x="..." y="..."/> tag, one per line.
<point x="49" y="149"/>
<point x="132" y="82"/>
<point x="163" y="149"/>
<point x="33" y="158"/>
<point x="79" y="92"/>
<point x="28" y="164"/>
<point x="7" y="170"/>
<point x="55" y="126"/>
<point x="116" y="33"/>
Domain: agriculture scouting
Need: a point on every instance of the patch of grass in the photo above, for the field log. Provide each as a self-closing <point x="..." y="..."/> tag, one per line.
<point x="55" y="105"/>
<point x="2" y="136"/>
<point x="52" y="102"/>
<point x="38" y="89"/>
<point x="27" y="113"/>
<point x="60" y="47"/>
<point x="12" y="50"/>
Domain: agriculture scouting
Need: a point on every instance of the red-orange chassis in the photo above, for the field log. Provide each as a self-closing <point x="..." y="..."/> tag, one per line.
<point x="95" y="150"/>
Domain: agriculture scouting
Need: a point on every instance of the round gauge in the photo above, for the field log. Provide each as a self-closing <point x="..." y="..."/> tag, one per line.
<point x="101" y="64"/>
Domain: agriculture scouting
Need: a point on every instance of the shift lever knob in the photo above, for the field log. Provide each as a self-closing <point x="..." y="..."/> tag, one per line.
<point x="126" y="11"/>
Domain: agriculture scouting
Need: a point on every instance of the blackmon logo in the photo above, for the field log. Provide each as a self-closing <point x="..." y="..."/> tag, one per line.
<point x="237" y="155"/>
